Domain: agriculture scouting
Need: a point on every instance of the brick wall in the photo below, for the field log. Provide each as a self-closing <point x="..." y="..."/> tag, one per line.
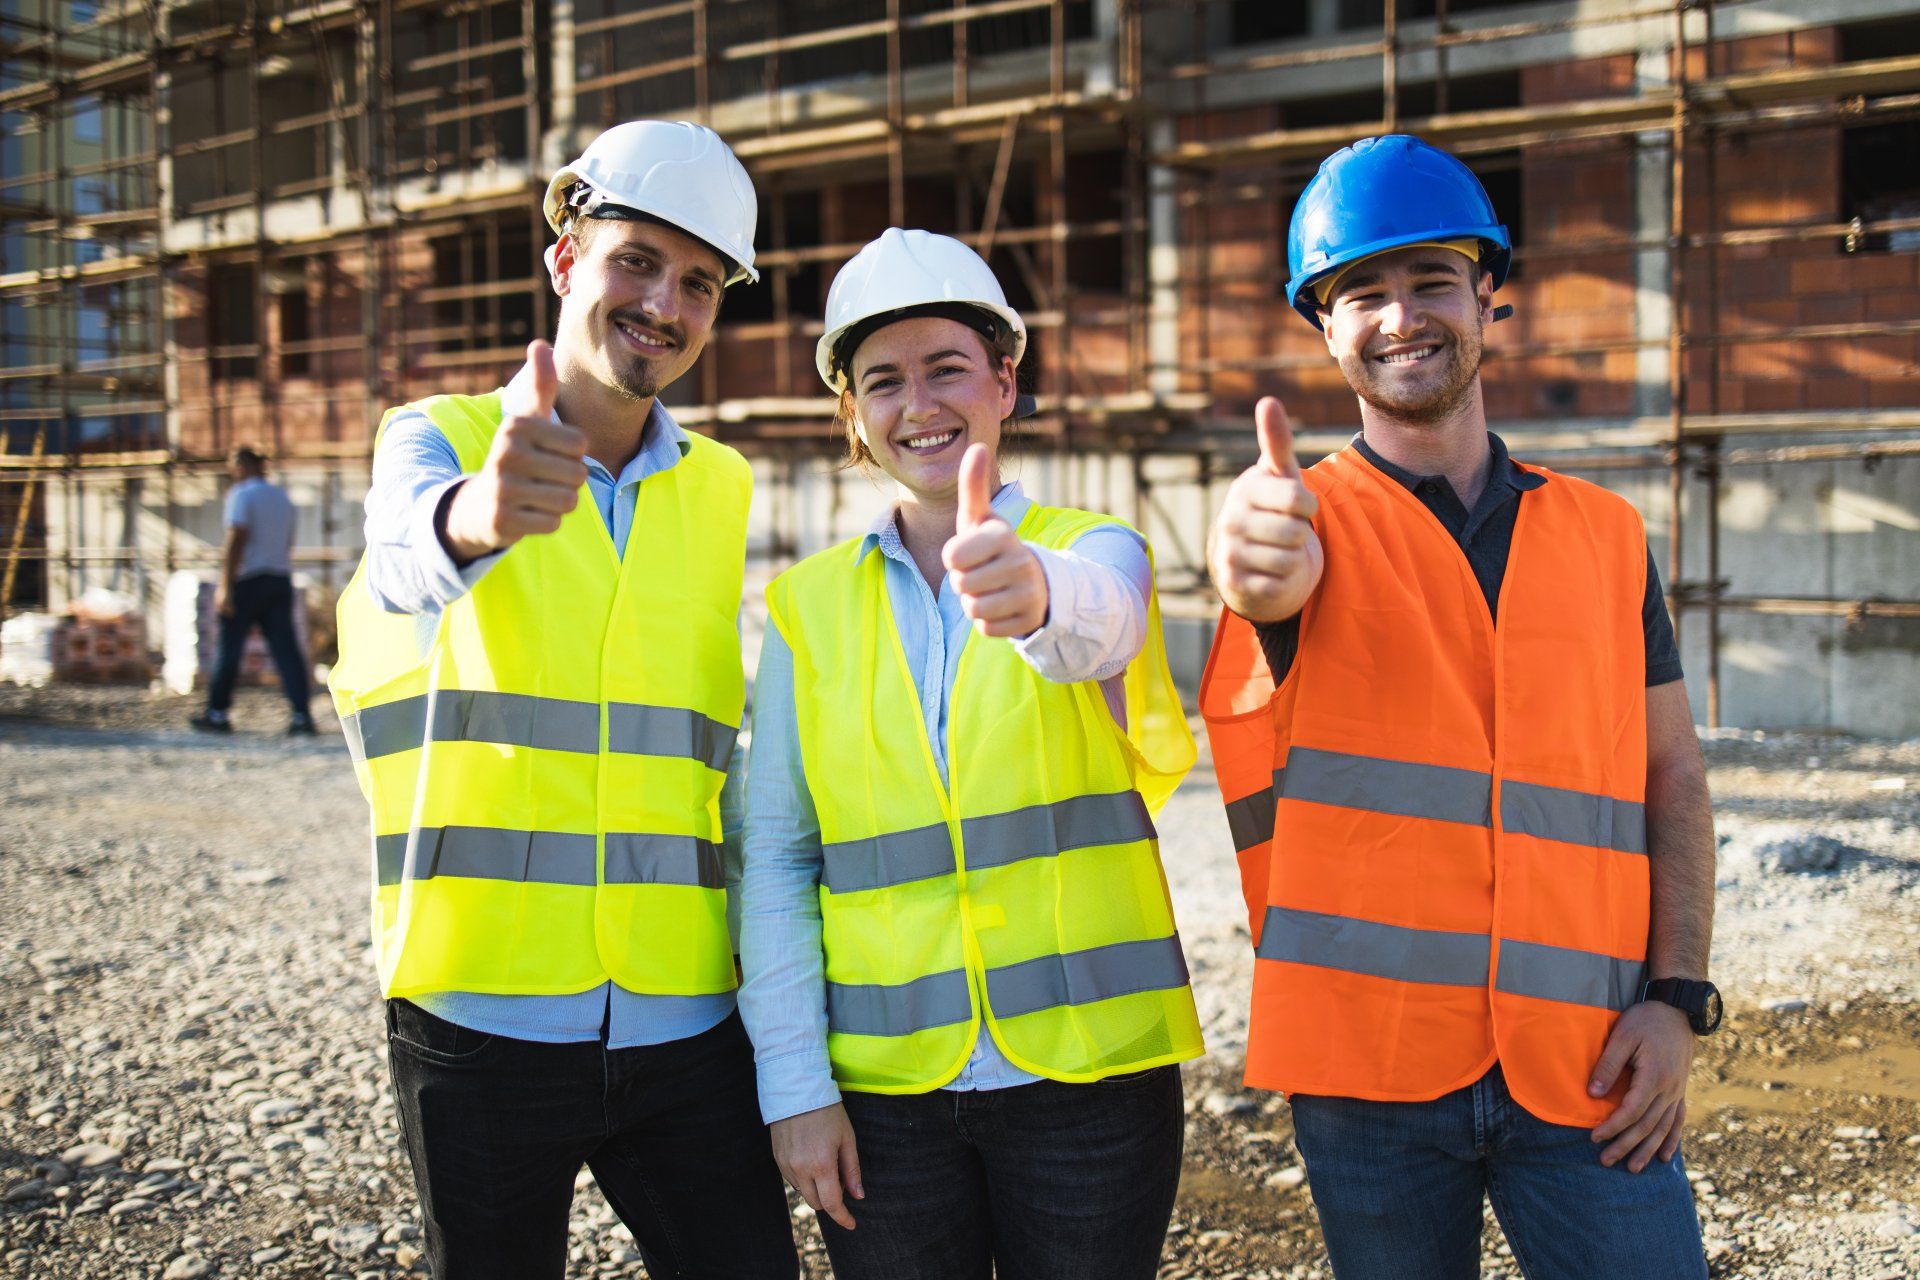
<point x="1580" y="194"/>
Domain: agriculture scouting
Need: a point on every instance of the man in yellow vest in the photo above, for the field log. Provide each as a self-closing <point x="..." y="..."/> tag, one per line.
<point x="541" y="696"/>
<point x="1460" y="769"/>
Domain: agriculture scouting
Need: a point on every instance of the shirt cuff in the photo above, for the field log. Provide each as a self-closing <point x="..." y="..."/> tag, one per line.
<point x="1041" y="649"/>
<point x="796" y="1083"/>
<point x="1085" y="623"/>
<point x="446" y="580"/>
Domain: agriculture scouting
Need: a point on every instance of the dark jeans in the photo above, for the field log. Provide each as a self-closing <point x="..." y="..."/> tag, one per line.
<point x="1041" y="1181"/>
<point x="1398" y="1186"/>
<point x="264" y="600"/>
<point x="498" y="1128"/>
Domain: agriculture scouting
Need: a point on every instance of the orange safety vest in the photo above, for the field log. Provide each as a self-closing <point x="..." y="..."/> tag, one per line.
<point x="1439" y="820"/>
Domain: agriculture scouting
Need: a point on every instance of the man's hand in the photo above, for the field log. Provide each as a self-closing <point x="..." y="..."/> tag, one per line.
<point x="1654" y="1042"/>
<point x="1264" y="556"/>
<point x="531" y="478"/>
<point x="816" y="1156"/>
<point x="222" y="602"/>
<point x="1001" y="585"/>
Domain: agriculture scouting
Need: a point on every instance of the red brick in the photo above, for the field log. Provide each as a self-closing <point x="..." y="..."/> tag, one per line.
<point x="1773" y="396"/>
<point x="1901" y="393"/>
<point x="1846" y="308"/>
<point x="1893" y="304"/>
<point x="1757" y="53"/>
<point x="1830" y="391"/>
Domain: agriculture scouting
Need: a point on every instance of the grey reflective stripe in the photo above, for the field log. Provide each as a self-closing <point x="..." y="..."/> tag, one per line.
<point x="899" y="857"/>
<point x="1574" y="817"/>
<point x="489" y="853"/>
<point x="514" y="719"/>
<point x="1571" y="977"/>
<point x="386" y="729"/>
<point x="635" y="729"/>
<point x="1082" y="977"/>
<point x="389" y="856"/>
<point x="475" y="715"/>
<point x="1439" y="957"/>
<point x="644" y="858"/>
<point x="937" y="1000"/>
<point x="1412" y="790"/>
<point x="1250" y="818"/>
<point x="1044" y="830"/>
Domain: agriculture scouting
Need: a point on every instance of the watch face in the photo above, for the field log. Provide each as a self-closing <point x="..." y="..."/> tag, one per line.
<point x="1710" y="1010"/>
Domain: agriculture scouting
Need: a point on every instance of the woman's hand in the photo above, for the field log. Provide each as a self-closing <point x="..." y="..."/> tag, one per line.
<point x="1001" y="585"/>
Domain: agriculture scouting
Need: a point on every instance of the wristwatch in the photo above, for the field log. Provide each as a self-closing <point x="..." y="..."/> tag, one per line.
<point x="1700" y="1001"/>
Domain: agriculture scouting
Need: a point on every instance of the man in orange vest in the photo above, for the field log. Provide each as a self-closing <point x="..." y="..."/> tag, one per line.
<point x="1460" y="770"/>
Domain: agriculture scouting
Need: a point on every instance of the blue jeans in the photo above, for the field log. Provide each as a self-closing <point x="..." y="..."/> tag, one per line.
<point x="267" y="601"/>
<point x="1398" y="1187"/>
<point x="1043" y="1181"/>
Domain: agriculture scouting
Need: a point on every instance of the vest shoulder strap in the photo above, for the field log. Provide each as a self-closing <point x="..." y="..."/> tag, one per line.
<point x="711" y="455"/>
<point x="468" y="423"/>
<point x="1057" y="528"/>
<point x="810" y="576"/>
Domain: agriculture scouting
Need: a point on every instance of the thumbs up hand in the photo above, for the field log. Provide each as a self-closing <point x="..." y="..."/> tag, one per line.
<point x="532" y="475"/>
<point x="1264" y="556"/>
<point x="1000" y="582"/>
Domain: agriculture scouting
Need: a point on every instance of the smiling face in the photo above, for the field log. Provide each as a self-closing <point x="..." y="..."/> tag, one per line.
<point x="1407" y="327"/>
<point x="923" y="389"/>
<point x="638" y="303"/>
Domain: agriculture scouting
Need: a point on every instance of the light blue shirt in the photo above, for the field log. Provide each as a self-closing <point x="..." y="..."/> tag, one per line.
<point x="409" y="571"/>
<point x="1099" y="589"/>
<point x="263" y="509"/>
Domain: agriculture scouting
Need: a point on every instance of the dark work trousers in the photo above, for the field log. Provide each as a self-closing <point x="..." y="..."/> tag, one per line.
<point x="1042" y="1181"/>
<point x="264" y="600"/>
<point x="498" y="1128"/>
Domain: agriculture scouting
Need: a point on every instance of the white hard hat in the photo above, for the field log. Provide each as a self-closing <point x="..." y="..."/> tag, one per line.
<point x="681" y="173"/>
<point x="913" y="272"/>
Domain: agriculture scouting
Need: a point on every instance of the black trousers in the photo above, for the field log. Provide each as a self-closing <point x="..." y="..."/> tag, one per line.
<point x="1043" y="1181"/>
<point x="266" y="601"/>
<point x="498" y="1128"/>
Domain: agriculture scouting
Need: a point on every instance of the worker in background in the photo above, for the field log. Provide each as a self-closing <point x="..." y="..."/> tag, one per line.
<point x="540" y="683"/>
<point x="256" y="590"/>
<point x="1461" y="772"/>
<point x="963" y="982"/>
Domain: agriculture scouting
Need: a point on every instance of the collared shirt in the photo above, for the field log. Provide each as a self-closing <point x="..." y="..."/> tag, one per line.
<point x="1485" y="537"/>
<point x="415" y="471"/>
<point x="1097" y="594"/>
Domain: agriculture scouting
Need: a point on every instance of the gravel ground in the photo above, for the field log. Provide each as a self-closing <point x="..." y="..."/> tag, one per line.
<point x="193" y="1083"/>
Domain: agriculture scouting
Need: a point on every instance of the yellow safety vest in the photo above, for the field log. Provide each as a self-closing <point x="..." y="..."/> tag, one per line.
<point x="545" y="779"/>
<point x="1028" y="889"/>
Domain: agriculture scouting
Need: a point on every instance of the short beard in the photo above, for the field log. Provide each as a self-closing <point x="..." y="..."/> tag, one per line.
<point x="1464" y="354"/>
<point x="635" y="384"/>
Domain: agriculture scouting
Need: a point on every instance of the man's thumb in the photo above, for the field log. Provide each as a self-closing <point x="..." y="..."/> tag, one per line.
<point x="542" y="382"/>
<point x="976" y="497"/>
<point x="1276" y="438"/>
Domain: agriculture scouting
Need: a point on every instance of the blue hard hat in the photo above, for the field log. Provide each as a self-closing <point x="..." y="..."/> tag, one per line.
<point x="1385" y="193"/>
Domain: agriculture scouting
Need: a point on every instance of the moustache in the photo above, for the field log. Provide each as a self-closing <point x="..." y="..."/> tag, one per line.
<point x="667" y="332"/>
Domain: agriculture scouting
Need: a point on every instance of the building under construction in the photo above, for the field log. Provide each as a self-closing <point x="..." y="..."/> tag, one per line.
<point x="227" y="221"/>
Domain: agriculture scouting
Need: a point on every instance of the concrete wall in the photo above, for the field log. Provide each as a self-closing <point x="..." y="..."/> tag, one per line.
<point x="96" y="516"/>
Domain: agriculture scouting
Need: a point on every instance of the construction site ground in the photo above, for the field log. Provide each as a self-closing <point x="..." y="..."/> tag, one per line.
<point x="193" y="1078"/>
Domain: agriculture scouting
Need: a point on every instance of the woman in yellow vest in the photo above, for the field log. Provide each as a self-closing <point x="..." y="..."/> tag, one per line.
<point x="963" y="981"/>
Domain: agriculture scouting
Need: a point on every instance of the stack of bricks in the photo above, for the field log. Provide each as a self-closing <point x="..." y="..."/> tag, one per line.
<point x="94" y="648"/>
<point x="192" y="637"/>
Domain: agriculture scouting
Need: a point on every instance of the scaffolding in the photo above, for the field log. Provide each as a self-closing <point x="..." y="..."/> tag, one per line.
<point x="266" y="221"/>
